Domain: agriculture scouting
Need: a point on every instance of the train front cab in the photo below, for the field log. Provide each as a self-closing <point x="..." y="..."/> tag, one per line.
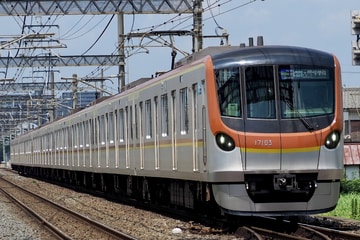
<point x="277" y="143"/>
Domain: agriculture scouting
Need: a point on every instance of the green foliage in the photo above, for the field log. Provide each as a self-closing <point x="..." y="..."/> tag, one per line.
<point x="354" y="208"/>
<point x="349" y="202"/>
<point x="350" y="186"/>
<point x="348" y="207"/>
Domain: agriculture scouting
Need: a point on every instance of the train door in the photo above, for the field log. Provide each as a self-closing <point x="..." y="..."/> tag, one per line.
<point x="164" y="152"/>
<point x="173" y="116"/>
<point x="130" y="137"/>
<point x="156" y="134"/>
<point x="141" y="136"/>
<point x="196" y="116"/>
<point x="87" y="143"/>
<point x="122" y="137"/>
<point x="261" y="125"/>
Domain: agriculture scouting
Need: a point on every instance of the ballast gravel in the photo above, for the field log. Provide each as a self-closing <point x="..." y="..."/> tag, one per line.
<point x="14" y="225"/>
<point x="135" y="222"/>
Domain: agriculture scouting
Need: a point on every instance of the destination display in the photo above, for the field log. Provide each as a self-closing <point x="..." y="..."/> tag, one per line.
<point x="303" y="74"/>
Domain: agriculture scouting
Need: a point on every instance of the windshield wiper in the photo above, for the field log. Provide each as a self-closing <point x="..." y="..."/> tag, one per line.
<point x="308" y="125"/>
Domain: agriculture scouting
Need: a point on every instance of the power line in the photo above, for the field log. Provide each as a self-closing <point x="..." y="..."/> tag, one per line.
<point x="102" y="33"/>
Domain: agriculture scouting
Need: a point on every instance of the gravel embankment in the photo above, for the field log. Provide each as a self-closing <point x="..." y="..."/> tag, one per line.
<point x="15" y="225"/>
<point x="135" y="222"/>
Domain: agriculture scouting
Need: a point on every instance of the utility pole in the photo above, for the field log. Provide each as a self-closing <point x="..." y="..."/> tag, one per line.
<point x="52" y="89"/>
<point x="121" y="42"/>
<point x="198" y="32"/>
<point x="355" y="30"/>
<point x="75" y="91"/>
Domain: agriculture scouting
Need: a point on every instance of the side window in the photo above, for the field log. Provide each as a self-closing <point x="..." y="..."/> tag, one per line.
<point x="137" y="112"/>
<point x="70" y="137"/>
<point x="164" y="116"/>
<point x="228" y="90"/>
<point x="102" y="129"/>
<point x="93" y="131"/>
<point x="76" y="136"/>
<point x="130" y="125"/>
<point x="86" y="133"/>
<point x="121" y="123"/>
<point x="81" y="135"/>
<point x="184" y="119"/>
<point x="140" y="122"/>
<point x="156" y="114"/>
<point x="111" y="127"/>
<point x="173" y="112"/>
<point x="148" y="119"/>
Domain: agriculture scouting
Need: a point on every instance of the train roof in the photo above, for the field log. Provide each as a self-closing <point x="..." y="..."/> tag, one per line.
<point x="205" y="52"/>
<point x="270" y="54"/>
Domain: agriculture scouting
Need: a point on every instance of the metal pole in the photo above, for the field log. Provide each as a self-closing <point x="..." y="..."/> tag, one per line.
<point x="121" y="42"/>
<point x="75" y="91"/>
<point x="4" y="157"/>
<point x="102" y="84"/>
<point x="52" y="88"/>
<point x="197" y="19"/>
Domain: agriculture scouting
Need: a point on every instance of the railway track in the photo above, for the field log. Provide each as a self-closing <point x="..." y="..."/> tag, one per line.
<point x="62" y="222"/>
<point x="298" y="232"/>
<point x="251" y="227"/>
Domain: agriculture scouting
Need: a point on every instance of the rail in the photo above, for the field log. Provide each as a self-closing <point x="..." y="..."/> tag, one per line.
<point x="54" y="222"/>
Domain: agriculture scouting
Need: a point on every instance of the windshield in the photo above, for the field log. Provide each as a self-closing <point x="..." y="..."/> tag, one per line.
<point x="301" y="91"/>
<point x="260" y="94"/>
<point x="305" y="91"/>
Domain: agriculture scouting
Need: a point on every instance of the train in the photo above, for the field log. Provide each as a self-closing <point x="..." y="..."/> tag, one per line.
<point x="252" y="131"/>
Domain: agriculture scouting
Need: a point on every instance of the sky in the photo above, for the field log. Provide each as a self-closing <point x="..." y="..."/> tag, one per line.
<point x="318" y="24"/>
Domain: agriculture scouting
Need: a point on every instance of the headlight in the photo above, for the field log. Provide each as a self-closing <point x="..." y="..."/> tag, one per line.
<point x="332" y="140"/>
<point x="225" y="142"/>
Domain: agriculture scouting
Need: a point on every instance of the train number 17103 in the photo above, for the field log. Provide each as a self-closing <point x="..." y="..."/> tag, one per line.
<point x="263" y="142"/>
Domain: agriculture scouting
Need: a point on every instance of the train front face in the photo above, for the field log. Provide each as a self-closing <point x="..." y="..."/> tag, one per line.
<point x="276" y="130"/>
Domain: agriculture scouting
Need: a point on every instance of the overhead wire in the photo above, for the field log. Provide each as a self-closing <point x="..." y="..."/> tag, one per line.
<point x="101" y="34"/>
<point x="177" y="18"/>
<point x="81" y="34"/>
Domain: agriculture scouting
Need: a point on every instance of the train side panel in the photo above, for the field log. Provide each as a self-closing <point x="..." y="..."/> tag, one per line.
<point x="153" y="130"/>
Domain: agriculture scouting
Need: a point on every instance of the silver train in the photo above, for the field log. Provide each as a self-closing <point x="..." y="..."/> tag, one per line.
<point x="254" y="131"/>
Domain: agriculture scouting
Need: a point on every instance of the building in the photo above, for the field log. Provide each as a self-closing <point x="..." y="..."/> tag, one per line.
<point x="351" y="101"/>
<point x="65" y="103"/>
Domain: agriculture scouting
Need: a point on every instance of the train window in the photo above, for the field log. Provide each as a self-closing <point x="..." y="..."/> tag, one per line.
<point x="184" y="119"/>
<point x="136" y="121"/>
<point x="228" y="90"/>
<point x="81" y="135"/>
<point x="86" y="133"/>
<point x="299" y="91"/>
<point x="91" y="131"/>
<point x="173" y="111"/>
<point x="140" y="120"/>
<point x="70" y="133"/>
<point x="111" y="127"/>
<point x="63" y="142"/>
<point x="260" y="94"/>
<point x="156" y="106"/>
<point x="148" y="119"/>
<point x="102" y="129"/>
<point x="164" y="116"/>
<point x="121" y="123"/>
<point x="194" y="105"/>
<point x="76" y="136"/>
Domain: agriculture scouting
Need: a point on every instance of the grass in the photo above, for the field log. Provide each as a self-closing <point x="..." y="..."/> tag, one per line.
<point x="348" y="207"/>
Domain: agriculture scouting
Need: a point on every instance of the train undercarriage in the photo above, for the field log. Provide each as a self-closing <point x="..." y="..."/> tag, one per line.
<point x="172" y="193"/>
